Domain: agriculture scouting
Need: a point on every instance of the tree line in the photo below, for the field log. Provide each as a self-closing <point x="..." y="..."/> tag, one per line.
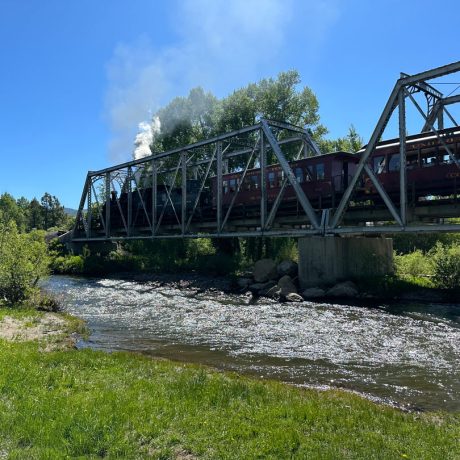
<point x="48" y="213"/>
<point x="201" y="115"/>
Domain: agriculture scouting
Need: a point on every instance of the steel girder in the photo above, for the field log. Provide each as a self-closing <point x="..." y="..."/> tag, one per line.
<point x="122" y="190"/>
<point x="404" y="88"/>
<point x="166" y="172"/>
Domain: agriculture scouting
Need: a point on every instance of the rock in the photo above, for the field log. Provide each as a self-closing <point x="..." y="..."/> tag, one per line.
<point x="345" y="289"/>
<point x="264" y="270"/>
<point x="273" y="292"/>
<point x="313" y="293"/>
<point x="243" y="283"/>
<point x="293" y="297"/>
<point x="256" y="288"/>
<point x="286" y="286"/>
<point x="287" y="267"/>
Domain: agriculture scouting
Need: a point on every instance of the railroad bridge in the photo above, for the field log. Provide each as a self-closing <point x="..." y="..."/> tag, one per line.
<point x="270" y="179"/>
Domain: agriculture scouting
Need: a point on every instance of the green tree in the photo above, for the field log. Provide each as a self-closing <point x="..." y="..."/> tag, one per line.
<point x="11" y="212"/>
<point x="23" y="261"/>
<point x="35" y="216"/>
<point x="53" y="212"/>
<point x="352" y="142"/>
<point x="186" y="120"/>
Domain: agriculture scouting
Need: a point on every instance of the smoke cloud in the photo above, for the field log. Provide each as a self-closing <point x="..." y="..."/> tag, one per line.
<point x="222" y="45"/>
<point x="144" y="138"/>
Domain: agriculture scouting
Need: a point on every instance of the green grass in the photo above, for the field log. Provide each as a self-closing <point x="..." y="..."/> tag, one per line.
<point x="88" y="404"/>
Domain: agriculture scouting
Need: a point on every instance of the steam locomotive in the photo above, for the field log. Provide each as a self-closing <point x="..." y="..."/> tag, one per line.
<point x="431" y="171"/>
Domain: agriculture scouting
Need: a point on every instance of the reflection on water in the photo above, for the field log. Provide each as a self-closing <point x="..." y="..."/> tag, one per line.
<point x="408" y="354"/>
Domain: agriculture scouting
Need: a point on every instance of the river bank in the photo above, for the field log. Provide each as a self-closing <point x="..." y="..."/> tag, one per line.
<point x="389" y="288"/>
<point x="85" y="403"/>
<point x="404" y="354"/>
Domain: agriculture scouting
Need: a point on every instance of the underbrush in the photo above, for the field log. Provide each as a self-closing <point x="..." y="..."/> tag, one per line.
<point x="438" y="267"/>
<point x="87" y="404"/>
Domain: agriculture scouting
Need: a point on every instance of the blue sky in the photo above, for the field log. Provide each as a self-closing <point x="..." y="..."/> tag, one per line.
<point x="77" y="76"/>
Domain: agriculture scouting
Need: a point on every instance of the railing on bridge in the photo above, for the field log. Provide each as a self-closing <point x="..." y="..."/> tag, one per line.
<point x="242" y="184"/>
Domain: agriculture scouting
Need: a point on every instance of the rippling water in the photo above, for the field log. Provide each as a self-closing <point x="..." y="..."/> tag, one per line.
<point x="404" y="354"/>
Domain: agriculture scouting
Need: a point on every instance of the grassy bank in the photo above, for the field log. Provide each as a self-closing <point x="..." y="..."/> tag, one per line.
<point x="87" y="404"/>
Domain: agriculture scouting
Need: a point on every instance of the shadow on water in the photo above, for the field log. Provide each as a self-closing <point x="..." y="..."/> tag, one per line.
<point x="406" y="354"/>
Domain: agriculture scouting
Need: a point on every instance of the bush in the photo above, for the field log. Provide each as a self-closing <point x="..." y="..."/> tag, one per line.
<point x="415" y="264"/>
<point x="68" y="264"/>
<point x="23" y="261"/>
<point x="446" y="266"/>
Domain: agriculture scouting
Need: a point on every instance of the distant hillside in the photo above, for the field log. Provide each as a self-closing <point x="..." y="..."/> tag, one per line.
<point x="70" y="211"/>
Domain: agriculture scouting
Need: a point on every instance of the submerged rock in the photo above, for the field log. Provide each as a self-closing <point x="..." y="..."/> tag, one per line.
<point x="264" y="270"/>
<point x="293" y="297"/>
<point x="257" y="288"/>
<point x="313" y="293"/>
<point x="272" y="292"/>
<point x="243" y="283"/>
<point x="286" y="285"/>
<point x="345" y="289"/>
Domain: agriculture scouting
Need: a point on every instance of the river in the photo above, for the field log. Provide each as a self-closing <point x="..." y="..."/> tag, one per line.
<point x="404" y="354"/>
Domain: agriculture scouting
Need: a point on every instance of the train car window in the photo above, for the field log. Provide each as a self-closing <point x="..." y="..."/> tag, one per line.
<point x="225" y="186"/>
<point x="271" y="179"/>
<point x="232" y="185"/>
<point x="310" y="173"/>
<point x="247" y="184"/>
<point x="320" y="171"/>
<point x="445" y="159"/>
<point x="255" y="182"/>
<point x="428" y="159"/>
<point x="378" y="164"/>
<point x="299" y="175"/>
<point x="280" y="178"/>
<point x="393" y="165"/>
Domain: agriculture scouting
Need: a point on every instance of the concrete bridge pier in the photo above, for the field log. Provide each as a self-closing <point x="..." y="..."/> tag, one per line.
<point x="330" y="259"/>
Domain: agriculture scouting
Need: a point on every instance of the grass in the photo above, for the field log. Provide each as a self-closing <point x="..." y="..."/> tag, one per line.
<point x="88" y="404"/>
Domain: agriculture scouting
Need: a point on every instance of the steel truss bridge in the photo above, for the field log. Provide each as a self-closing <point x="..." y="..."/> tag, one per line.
<point x="257" y="146"/>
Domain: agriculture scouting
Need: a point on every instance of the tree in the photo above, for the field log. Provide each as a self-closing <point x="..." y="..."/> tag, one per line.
<point x="35" y="217"/>
<point x="186" y="120"/>
<point x="53" y="213"/>
<point x="352" y="142"/>
<point x="23" y="261"/>
<point x="11" y="212"/>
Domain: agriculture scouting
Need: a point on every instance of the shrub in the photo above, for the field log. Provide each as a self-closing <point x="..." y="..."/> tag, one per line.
<point x="23" y="261"/>
<point x="446" y="265"/>
<point x="415" y="264"/>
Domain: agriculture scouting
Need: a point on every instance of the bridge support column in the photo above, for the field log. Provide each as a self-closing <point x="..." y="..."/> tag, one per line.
<point x="329" y="259"/>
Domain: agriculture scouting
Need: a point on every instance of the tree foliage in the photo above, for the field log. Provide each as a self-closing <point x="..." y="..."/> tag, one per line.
<point x="201" y="115"/>
<point x="23" y="261"/>
<point x="34" y="214"/>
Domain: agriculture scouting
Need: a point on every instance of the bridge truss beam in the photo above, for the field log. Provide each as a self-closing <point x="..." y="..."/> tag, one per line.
<point x="124" y="189"/>
<point x="404" y="88"/>
<point x="180" y="180"/>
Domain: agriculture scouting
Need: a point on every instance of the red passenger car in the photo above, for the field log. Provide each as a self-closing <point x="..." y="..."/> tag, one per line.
<point x="430" y="169"/>
<point x="323" y="179"/>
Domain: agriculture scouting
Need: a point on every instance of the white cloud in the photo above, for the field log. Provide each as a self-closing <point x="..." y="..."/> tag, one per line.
<point x="223" y="45"/>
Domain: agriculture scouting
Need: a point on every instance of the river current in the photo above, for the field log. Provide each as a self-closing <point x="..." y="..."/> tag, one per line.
<point x="404" y="354"/>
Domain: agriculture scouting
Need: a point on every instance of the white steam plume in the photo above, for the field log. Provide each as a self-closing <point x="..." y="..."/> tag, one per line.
<point x="222" y="45"/>
<point x="145" y="137"/>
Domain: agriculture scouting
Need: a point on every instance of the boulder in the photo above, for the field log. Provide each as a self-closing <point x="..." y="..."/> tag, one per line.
<point x="313" y="293"/>
<point x="345" y="289"/>
<point x="293" y="297"/>
<point x="287" y="267"/>
<point x="264" y="270"/>
<point x="243" y="283"/>
<point x="256" y="288"/>
<point x="273" y="292"/>
<point x="286" y="286"/>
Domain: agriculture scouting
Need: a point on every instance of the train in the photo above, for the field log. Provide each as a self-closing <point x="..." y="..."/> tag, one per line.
<point x="431" y="173"/>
